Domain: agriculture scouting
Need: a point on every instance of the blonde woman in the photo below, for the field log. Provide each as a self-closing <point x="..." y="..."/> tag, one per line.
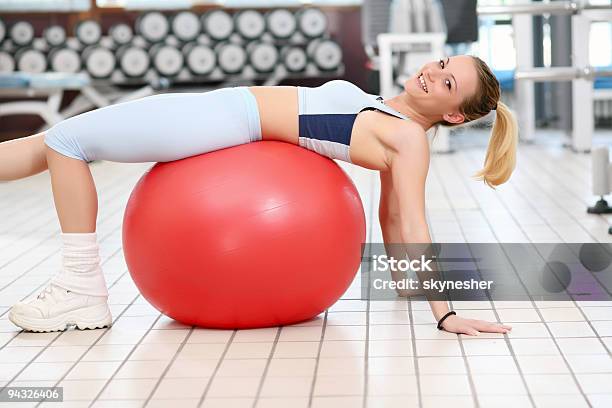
<point x="337" y="120"/>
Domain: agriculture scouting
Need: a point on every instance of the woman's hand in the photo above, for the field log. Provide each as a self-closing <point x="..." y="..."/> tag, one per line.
<point x="472" y="327"/>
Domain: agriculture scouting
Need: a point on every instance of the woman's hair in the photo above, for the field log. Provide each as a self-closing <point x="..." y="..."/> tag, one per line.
<point x="500" y="159"/>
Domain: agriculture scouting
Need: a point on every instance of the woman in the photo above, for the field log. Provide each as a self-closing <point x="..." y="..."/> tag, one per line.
<point x="337" y="120"/>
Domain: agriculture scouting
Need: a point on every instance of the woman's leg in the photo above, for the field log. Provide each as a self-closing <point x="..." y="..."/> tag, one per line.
<point x="158" y="128"/>
<point x="23" y="157"/>
<point x="77" y="294"/>
<point x="74" y="193"/>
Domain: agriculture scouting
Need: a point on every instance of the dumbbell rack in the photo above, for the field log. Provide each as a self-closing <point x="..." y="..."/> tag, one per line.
<point x="186" y="75"/>
<point x="601" y="180"/>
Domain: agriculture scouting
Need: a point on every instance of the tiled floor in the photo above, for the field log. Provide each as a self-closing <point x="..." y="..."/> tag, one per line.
<point x="357" y="354"/>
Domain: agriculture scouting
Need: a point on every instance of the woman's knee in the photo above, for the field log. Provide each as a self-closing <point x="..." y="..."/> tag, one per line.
<point x="60" y="140"/>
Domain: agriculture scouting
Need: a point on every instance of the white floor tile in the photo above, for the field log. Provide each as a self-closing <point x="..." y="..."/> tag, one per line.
<point x="442" y="365"/>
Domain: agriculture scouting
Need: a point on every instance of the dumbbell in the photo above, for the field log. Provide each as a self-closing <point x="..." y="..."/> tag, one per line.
<point x="2" y="31"/>
<point x="200" y="59"/>
<point x="64" y="59"/>
<point x="230" y="57"/>
<point x="121" y="34"/>
<point x="7" y="62"/>
<point x="326" y="54"/>
<point x="88" y="32"/>
<point x="186" y="26"/>
<point x="30" y="60"/>
<point x="133" y="61"/>
<point x="166" y="59"/>
<point x="218" y="24"/>
<point x="98" y="61"/>
<point x="293" y="58"/>
<point x="250" y="24"/>
<point x="312" y="22"/>
<point x="262" y="56"/>
<point x="54" y="35"/>
<point x="153" y="26"/>
<point x="281" y="23"/>
<point x="21" y="33"/>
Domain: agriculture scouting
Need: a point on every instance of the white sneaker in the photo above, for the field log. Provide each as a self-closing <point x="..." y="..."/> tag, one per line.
<point x="55" y="308"/>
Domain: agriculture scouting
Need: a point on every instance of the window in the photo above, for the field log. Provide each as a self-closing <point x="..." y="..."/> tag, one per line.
<point x="600" y="44"/>
<point x="44" y="5"/>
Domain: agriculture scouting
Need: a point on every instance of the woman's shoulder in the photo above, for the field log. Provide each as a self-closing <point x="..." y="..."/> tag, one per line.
<point x="411" y="141"/>
<point x="399" y="131"/>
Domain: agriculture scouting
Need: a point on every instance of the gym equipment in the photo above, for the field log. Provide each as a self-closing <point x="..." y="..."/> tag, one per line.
<point x="200" y="59"/>
<point x="153" y="26"/>
<point x="294" y="58"/>
<point x="88" y="32"/>
<point x="582" y="79"/>
<point x="64" y="60"/>
<point x="31" y="60"/>
<point x="186" y="26"/>
<point x="218" y="24"/>
<point x="21" y="33"/>
<point x="167" y="59"/>
<point x="133" y="60"/>
<point x="231" y="57"/>
<point x="238" y="239"/>
<point x="121" y="34"/>
<point x="562" y="74"/>
<point x="281" y="23"/>
<point x="424" y="16"/>
<point x="312" y="22"/>
<point x="99" y="62"/>
<point x="262" y="56"/>
<point x="51" y="86"/>
<point x="54" y="35"/>
<point x="184" y="47"/>
<point x="582" y="14"/>
<point x="250" y="24"/>
<point x="602" y="179"/>
<point x="556" y="7"/>
<point x="326" y="54"/>
<point x="7" y="62"/>
<point x="461" y="21"/>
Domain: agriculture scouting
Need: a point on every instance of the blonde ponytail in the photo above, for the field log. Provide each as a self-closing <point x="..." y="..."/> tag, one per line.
<point x="500" y="159"/>
<point x="501" y="152"/>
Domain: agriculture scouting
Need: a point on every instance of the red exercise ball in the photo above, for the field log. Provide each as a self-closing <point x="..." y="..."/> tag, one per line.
<point x="262" y="234"/>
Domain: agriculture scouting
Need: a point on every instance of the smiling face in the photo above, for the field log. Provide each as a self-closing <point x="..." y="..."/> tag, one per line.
<point x="439" y="88"/>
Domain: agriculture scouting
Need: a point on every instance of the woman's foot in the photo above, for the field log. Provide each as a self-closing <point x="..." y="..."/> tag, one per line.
<point x="56" y="308"/>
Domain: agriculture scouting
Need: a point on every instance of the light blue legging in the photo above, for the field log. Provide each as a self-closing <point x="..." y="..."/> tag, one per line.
<point x="160" y="128"/>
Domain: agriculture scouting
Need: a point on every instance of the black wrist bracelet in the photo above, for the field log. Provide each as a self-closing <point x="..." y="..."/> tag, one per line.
<point x="444" y="318"/>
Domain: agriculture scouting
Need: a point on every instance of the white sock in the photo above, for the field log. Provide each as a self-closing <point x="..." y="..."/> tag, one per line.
<point x="81" y="271"/>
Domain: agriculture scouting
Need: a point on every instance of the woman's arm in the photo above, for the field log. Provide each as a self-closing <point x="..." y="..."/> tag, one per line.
<point x="388" y="216"/>
<point x="402" y="215"/>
